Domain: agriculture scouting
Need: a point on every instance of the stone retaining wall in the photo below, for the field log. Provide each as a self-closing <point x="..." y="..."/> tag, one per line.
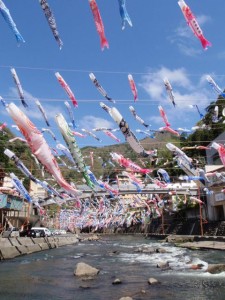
<point x="16" y="246"/>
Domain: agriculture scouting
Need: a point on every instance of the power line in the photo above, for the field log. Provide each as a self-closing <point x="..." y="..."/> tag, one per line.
<point x="96" y="71"/>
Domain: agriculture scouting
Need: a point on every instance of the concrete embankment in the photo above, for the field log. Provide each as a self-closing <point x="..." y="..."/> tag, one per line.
<point x="16" y="246"/>
<point x="197" y="242"/>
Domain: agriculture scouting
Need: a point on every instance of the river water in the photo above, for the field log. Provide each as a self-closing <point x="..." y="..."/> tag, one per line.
<point x="48" y="275"/>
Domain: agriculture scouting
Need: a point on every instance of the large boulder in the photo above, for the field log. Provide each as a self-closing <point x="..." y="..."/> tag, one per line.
<point x="117" y="281"/>
<point x="148" y="250"/>
<point x="160" y="250"/>
<point x="83" y="269"/>
<point x="152" y="280"/>
<point x="216" y="268"/>
<point x="163" y="265"/>
<point x="179" y="238"/>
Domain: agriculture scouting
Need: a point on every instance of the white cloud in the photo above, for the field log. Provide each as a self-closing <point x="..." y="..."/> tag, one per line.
<point x="186" y="49"/>
<point x="203" y="19"/>
<point x="185" y="92"/>
<point x="90" y="122"/>
<point x="154" y="85"/>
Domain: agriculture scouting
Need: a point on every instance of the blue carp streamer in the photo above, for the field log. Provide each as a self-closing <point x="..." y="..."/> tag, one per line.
<point x="20" y="187"/>
<point x="124" y="14"/>
<point x="6" y="15"/>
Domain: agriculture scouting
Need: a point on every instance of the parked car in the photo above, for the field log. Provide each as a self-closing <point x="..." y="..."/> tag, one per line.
<point x="11" y="232"/>
<point x="42" y="231"/>
<point x="28" y="233"/>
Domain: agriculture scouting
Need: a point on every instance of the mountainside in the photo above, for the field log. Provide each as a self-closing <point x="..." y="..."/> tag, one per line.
<point x="101" y="155"/>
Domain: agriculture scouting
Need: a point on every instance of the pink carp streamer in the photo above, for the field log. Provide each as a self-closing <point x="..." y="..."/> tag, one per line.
<point x="167" y="127"/>
<point x="164" y="116"/>
<point x="193" y="24"/>
<point x="3" y="126"/>
<point x="99" y="24"/>
<point x="127" y="163"/>
<point x="221" y="150"/>
<point x="39" y="147"/>
<point x="133" y="86"/>
<point x="110" y="134"/>
<point x="66" y="87"/>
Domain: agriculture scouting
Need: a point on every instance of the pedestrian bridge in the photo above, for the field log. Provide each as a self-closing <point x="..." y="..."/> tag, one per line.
<point x="179" y="189"/>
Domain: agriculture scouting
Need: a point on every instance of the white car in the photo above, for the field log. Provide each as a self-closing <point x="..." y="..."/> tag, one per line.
<point x="43" y="231"/>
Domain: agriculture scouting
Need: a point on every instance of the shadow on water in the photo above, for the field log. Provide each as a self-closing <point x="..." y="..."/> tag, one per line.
<point x="49" y="274"/>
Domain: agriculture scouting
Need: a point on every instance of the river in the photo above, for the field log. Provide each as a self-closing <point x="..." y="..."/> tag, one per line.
<point x="48" y="275"/>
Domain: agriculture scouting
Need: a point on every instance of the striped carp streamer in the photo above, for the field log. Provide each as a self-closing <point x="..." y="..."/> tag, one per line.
<point x="66" y="152"/>
<point x="164" y="174"/>
<point x="150" y="134"/>
<point x="215" y="87"/>
<point x="99" y="24"/>
<point x="43" y="112"/>
<point x="73" y="147"/>
<point x="133" y="86"/>
<point x="215" y="115"/>
<point x="193" y="24"/>
<point x="6" y="15"/>
<point x="124" y="14"/>
<point x="50" y="132"/>
<point x="169" y="90"/>
<point x="180" y="154"/>
<point x="91" y="134"/>
<point x="66" y="87"/>
<point x="100" y="88"/>
<point x="28" y="174"/>
<point x="39" y="147"/>
<point x="4" y="103"/>
<point x="125" y="129"/>
<point x="69" y="109"/>
<point x="139" y="119"/>
<point x="137" y="183"/>
<point x="19" y="87"/>
<point x="51" y="21"/>
<point x="195" y="105"/>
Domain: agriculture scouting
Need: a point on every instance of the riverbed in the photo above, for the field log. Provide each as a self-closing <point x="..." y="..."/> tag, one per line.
<point x="50" y="274"/>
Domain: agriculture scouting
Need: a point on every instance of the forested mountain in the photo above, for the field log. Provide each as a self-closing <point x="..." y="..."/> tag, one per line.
<point x="211" y="125"/>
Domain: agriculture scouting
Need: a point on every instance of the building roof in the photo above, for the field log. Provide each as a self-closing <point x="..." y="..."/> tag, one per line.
<point x="213" y="168"/>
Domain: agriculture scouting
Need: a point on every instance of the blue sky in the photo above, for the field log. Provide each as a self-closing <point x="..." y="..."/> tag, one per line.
<point x="160" y="44"/>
